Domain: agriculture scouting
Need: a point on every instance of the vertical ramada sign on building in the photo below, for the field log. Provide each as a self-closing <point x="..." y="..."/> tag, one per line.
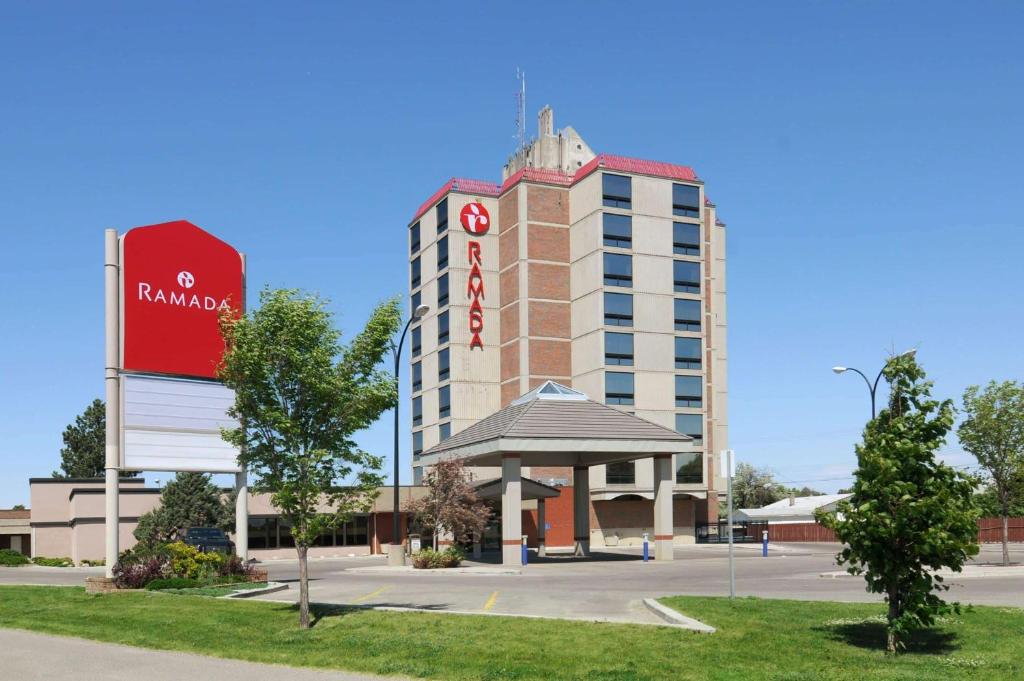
<point x="476" y="221"/>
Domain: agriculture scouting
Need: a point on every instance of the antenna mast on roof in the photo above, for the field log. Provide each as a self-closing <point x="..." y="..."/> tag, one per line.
<point x="521" y="110"/>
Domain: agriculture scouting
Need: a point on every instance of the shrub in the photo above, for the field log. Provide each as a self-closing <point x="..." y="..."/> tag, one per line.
<point x="94" y="563"/>
<point x="232" y="566"/>
<point x="188" y="561"/>
<point x="11" y="558"/>
<point x="53" y="562"/>
<point x="172" y="583"/>
<point x="136" y="574"/>
<point x="429" y="559"/>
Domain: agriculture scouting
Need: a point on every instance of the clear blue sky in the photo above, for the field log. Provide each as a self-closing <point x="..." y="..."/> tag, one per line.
<point x="866" y="157"/>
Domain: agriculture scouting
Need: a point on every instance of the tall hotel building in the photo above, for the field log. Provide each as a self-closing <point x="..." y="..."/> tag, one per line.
<point x="603" y="273"/>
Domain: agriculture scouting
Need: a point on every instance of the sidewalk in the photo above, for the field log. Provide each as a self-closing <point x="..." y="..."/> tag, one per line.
<point x="39" y="657"/>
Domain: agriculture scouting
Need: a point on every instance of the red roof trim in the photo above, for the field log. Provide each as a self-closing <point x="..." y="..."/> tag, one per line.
<point x="557" y="177"/>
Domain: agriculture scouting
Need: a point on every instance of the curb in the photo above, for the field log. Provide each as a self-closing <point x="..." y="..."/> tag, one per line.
<point x="676" y="618"/>
<point x="390" y="570"/>
<point x="270" y="588"/>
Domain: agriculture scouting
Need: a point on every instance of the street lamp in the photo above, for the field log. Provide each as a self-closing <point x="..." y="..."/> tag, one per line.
<point x="872" y="387"/>
<point x="395" y="554"/>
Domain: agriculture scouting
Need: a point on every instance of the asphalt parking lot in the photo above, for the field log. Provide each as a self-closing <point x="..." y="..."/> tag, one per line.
<point x="610" y="587"/>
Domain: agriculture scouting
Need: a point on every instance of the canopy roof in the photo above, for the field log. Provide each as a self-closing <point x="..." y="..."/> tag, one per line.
<point x="553" y="425"/>
<point x="531" y="489"/>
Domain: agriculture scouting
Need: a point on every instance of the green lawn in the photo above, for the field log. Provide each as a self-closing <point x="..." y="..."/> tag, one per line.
<point x="216" y="590"/>
<point x="757" y="639"/>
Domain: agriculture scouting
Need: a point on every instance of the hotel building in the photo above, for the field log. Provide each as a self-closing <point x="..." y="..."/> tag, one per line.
<point x="602" y="273"/>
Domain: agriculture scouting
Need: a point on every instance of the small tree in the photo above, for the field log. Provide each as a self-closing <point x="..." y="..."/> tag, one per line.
<point x="190" y="500"/>
<point x="910" y="515"/>
<point x="994" y="433"/>
<point x="754" y="487"/>
<point x="451" y="505"/>
<point x="301" y="396"/>
<point x="84" y="452"/>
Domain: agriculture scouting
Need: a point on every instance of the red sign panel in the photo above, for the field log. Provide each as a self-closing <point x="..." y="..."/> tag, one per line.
<point x="475" y="219"/>
<point x="176" y="278"/>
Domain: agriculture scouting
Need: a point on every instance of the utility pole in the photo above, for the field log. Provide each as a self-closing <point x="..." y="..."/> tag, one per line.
<point x="727" y="472"/>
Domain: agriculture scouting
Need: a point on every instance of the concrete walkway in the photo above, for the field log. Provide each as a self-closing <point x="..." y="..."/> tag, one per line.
<point x="29" y="656"/>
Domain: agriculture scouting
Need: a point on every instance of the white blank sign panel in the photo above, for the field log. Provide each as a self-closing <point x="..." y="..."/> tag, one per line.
<point x="173" y="424"/>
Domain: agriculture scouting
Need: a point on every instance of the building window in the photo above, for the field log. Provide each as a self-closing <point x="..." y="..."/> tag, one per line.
<point x="356" y="531"/>
<point x="617" y="191"/>
<point x="618" y="269"/>
<point x="687" y="314"/>
<point x="416" y="300"/>
<point x="618" y="230"/>
<point x="687" y="353"/>
<point x="262" y="533"/>
<point x="417" y="376"/>
<point x="442" y="290"/>
<point x="618" y="309"/>
<point x="686" y="276"/>
<point x="685" y="238"/>
<point x="417" y="341"/>
<point x="417" y="443"/>
<point x="443" y="365"/>
<point x="417" y="411"/>
<point x="688" y="391"/>
<point x="415" y="272"/>
<point x="414" y="239"/>
<point x="442" y="328"/>
<point x="442" y="215"/>
<point x="445" y="431"/>
<point x="689" y="469"/>
<point x="444" y="402"/>
<point x="692" y="425"/>
<point x="618" y="348"/>
<point x="686" y="200"/>
<point x="618" y="387"/>
<point x="442" y="253"/>
<point x="622" y="473"/>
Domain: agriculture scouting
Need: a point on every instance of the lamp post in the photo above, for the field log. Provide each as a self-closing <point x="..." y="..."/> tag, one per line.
<point x="396" y="556"/>
<point x="873" y="387"/>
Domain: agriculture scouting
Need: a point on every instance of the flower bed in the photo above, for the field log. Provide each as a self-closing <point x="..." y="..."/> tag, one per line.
<point x="142" y="566"/>
<point x="429" y="559"/>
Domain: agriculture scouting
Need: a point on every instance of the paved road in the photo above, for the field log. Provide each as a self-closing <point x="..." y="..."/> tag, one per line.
<point x="611" y="588"/>
<point x="30" y="657"/>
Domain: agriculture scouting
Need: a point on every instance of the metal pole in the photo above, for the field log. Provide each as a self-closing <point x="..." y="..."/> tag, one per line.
<point x="732" y="567"/>
<point x="112" y="365"/>
<point x="396" y="556"/>
<point x="242" y="515"/>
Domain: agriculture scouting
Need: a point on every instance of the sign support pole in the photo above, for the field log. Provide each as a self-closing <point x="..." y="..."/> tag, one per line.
<point x="242" y="515"/>
<point x="112" y="364"/>
<point x="732" y="564"/>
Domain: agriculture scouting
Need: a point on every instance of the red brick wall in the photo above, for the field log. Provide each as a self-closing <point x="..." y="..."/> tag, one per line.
<point x="557" y="514"/>
<point x="547" y="204"/>
<point x="547" y="243"/>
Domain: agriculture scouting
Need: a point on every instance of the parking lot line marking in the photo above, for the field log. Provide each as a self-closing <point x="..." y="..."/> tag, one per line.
<point x="490" y="601"/>
<point x="371" y="594"/>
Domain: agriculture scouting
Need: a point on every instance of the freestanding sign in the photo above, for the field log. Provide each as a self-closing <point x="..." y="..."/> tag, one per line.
<point x="166" y="286"/>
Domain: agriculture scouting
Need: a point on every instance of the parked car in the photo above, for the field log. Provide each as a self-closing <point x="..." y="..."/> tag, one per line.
<point x="208" y="539"/>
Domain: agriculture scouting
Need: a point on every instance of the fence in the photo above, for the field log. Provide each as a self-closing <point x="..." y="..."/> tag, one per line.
<point x="743" y="531"/>
<point x="990" y="531"/>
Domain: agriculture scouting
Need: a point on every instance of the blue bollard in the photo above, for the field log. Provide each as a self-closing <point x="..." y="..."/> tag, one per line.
<point x="764" y="544"/>
<point x="524" y="551"/>
<point x="646" y="552"/>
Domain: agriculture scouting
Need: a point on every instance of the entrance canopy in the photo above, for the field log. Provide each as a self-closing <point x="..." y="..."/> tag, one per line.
<point x="553" y="425"/>
<point x="531" y="490"/>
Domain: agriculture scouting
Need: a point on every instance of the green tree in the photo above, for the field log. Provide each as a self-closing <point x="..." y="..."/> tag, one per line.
<point x="994" y="433"/>
<point x="910" y="515"/>
<point x="18" y="507"/>
<point x="301" y="396"/>
<point x="754" y="487"/>
<point x="190" y="500"/>
<point x="451" y="505"/>
<point x="84" y="452"/>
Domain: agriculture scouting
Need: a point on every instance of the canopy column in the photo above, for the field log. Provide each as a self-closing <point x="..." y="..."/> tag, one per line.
<point x="511" y="510"/>
<point x="663" y="520"/>
<point x="541" y="533"/>
<point x="581" y="509"/>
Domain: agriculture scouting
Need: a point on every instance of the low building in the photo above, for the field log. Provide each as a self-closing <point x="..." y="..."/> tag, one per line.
<point x="792" y="509"/>
<point x="15" y="532"/>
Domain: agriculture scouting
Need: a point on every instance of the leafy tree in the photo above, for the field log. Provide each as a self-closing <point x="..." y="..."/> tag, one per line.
<point x="18" y="507"/>
<point x="85" y="444"/>
<point x="754" y="487"/>
<point x="451" y="505"/>
<point x="994" y="433"/>
<point x="301" y="396"/>
<point x="989" y="506"/>
<point x="910" y="515"/>
<point x="190" y="500"/>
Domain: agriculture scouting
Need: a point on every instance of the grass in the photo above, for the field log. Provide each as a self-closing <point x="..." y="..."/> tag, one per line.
<point x="757" y="639"/>
<point x="216" y="590"/>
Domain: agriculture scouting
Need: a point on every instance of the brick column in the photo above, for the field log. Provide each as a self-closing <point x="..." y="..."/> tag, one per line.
<point x="663" y="520"/>
<point x="581" y="510"/>
<point x="511" y="510"/>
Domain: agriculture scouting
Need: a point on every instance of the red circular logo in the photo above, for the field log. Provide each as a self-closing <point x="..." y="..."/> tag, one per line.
<point x="475" y="219"/>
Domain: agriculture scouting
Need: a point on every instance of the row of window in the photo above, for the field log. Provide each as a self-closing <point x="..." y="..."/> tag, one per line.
<point x="442" y="262"/>
<point x="441" y="211"/>
<point x="443" y="370"/>
<point x="689" y="470"/>
<point x="618" y="350"/>
<point x="618" y="271"/>
<point x="619" y="389"/>
<point x="617" y="232"/>
<point x="275" y="532"/>
<point x="445" y="432"/>
<point x="618" y="311"/>
<point x="617" y="192"/>
<point x="444" y="405"/>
